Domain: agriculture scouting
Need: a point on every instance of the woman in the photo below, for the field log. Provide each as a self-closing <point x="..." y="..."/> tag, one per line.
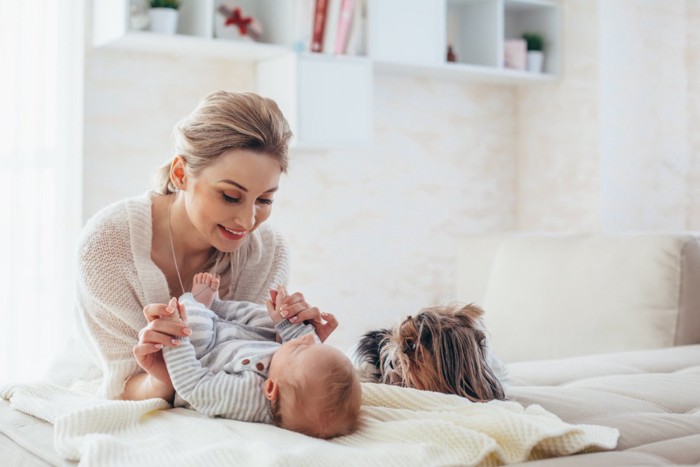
<point x="206" y="214"/>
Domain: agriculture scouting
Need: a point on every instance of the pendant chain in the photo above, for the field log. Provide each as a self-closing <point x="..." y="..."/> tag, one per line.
<point x="172" y="247"/>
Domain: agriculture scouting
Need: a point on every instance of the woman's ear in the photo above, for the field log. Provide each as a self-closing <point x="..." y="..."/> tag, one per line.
<point x="178" y="174"/>
<point x="271" y="390"/>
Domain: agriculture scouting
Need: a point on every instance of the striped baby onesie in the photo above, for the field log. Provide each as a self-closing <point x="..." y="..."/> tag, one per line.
<point x="220" y="369"/>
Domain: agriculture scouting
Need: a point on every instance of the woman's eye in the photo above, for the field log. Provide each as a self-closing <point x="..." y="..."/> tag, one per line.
<point x="230" y="199"/>
<point x="265" y="201"/>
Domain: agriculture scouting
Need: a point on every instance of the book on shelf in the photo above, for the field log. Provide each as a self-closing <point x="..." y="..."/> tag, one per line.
<point x="319" y="25"/>
<point x="304" y="25"/>
<point x="356" y="37"/>
<point x="344" y="23"/>
<point x="331" y="29"/>
<point x="338" y="26"/>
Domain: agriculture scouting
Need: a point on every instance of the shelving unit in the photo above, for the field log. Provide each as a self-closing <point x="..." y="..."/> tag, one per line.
<point x="416" y="39"/>
<point x="406" y="37"/>
<point x="327" y="100"/>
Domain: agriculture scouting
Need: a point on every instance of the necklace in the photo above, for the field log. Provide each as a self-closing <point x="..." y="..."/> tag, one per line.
<point x="172" y="247"/>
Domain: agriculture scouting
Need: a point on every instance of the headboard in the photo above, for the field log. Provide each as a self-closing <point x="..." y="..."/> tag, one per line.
<point x="559" y="295"/>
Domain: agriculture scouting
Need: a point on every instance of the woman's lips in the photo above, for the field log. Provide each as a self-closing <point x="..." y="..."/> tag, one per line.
<point x="231" y="234"/>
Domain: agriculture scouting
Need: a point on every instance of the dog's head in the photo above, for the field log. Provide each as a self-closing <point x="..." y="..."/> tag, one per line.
<point x="441" y="349"/>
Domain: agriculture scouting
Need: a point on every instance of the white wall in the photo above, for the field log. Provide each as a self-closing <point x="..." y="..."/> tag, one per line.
<point x="614" y="146"/>
<point x="611" y="146"/>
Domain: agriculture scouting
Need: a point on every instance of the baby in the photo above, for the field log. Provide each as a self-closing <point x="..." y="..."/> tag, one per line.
<point x="231" y="366"/>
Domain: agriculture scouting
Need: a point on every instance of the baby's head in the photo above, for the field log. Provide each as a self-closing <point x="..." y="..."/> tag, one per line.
<point x="313" y="389"/>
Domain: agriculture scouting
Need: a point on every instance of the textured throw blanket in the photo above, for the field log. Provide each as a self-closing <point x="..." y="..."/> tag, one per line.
<point x="399" y="427"/>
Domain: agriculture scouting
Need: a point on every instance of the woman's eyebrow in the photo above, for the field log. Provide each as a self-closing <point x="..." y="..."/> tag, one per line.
<point x="242" y="188"/>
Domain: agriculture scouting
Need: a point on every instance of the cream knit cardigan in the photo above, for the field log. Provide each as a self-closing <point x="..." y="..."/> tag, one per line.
<point x="116" y="278"/>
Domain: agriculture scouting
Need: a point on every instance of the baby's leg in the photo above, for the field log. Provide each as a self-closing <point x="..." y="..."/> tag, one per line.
<point x="205" y="287"/>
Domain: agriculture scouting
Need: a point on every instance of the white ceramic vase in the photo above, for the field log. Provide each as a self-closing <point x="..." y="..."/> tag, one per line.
<point x="535" y="61"/>
<point x="163" y="20"/>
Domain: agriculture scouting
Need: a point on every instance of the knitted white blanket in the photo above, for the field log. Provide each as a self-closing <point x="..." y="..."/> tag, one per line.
<point x="399" y="427"/>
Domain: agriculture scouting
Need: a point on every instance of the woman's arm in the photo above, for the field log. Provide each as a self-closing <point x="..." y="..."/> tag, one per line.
<point x="163" y="325"/>
<point x="144" y="386"/>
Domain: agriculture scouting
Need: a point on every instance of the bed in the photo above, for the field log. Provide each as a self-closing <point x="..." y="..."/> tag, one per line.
<point x="600" y="333"/>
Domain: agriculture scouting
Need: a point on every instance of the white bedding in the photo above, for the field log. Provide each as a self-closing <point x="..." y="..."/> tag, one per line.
<point x="400" y="427"/>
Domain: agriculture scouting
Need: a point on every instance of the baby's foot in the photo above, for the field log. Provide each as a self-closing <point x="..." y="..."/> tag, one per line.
<point x="205" y="288"/>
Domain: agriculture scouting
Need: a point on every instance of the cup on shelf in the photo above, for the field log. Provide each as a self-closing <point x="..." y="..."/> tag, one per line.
<point x="514" y="54"/>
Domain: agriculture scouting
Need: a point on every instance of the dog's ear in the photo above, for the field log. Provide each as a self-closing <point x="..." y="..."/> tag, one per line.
<point x="472" y="312"/>
<point x="370" y="345"/>
<point x="464" y="365"/>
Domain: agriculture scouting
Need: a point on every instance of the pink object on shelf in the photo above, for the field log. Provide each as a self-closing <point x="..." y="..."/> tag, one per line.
<point x="344" y="22"/>
<point x="515" y="53"/>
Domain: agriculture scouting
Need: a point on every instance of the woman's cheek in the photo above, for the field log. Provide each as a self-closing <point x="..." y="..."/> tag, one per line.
<point x="263" y="215"/>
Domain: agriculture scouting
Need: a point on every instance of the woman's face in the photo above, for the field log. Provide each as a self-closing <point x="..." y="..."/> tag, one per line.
<point x="232" y="196"/>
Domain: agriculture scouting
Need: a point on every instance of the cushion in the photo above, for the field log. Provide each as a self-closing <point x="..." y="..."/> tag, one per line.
<point x="552" y="296"/>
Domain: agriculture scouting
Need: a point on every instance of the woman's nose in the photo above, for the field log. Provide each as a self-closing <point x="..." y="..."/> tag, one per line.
<point x="245" y="217"/>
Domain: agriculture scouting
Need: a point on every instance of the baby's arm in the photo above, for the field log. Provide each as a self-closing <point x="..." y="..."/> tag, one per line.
<point x="248" y="313"/>
<point x="219" y="394"/>
<point x="285" y="329"/>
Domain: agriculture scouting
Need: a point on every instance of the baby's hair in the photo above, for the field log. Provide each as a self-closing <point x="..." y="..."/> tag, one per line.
<point x="338" y="412"/>
<point x="340" y="407"/>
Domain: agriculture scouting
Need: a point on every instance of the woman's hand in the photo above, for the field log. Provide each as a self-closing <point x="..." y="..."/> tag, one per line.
<point x="296" y="310"/>
<point x="166" y="324"/>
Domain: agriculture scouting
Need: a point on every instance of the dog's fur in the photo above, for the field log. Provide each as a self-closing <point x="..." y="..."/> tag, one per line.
<point x="441" y="348"/>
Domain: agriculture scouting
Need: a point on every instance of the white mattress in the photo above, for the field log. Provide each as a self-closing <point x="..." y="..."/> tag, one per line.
<point x="652" y="397"/>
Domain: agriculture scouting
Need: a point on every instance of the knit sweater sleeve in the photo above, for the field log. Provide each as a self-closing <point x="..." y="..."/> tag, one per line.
<point x="109" y="298"/>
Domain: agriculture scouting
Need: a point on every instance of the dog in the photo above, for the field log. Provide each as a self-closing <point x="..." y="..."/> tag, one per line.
<point x="441" y="348"/>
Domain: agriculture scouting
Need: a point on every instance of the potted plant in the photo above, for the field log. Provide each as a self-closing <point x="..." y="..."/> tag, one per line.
<point x="163" y="15"/>
<point x="535" y="54"/>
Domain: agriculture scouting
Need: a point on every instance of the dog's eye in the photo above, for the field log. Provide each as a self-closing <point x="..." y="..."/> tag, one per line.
<point x="409" y="346"/>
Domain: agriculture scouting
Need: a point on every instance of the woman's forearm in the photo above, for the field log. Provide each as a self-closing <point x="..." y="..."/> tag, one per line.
<point x="143" y="386"/>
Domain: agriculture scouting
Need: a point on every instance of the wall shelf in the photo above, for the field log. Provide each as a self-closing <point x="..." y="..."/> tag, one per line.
<point x="463" y="72"/>
<point x="182" y="44"/>
<point x="403" y="37"/>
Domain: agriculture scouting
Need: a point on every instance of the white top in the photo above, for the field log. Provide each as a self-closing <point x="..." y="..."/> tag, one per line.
<point x="116" y="278"/>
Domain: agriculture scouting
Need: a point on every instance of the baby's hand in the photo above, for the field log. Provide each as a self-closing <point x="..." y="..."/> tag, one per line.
<point x="178" y="312"/>
<point x="274" y="304"/>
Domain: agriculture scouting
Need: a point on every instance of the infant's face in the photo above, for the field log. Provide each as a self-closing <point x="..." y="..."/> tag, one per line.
<point x="301" y="358"/>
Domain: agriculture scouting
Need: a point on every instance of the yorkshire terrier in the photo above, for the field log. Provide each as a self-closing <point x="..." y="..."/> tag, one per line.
<point x="441" y="348"/>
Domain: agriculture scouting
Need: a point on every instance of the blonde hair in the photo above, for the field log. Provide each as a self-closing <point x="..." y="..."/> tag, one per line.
<point x="337" y="413"/>
<point x="223" y="121"/>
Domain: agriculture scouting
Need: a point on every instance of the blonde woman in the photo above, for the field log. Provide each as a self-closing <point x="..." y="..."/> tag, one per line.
<point x="207" y="213"/>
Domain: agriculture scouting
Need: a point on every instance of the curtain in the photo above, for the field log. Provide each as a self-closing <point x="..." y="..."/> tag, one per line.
<point x="42" y="51"/>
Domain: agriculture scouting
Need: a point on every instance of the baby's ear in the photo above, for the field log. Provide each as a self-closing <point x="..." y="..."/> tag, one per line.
<point x="271" y="390"/>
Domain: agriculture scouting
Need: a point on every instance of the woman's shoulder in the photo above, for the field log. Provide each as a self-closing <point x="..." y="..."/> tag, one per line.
<point x="112" y="225"/>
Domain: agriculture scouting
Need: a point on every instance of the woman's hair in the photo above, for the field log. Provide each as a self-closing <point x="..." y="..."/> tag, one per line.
<point x="223" y="121"/>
